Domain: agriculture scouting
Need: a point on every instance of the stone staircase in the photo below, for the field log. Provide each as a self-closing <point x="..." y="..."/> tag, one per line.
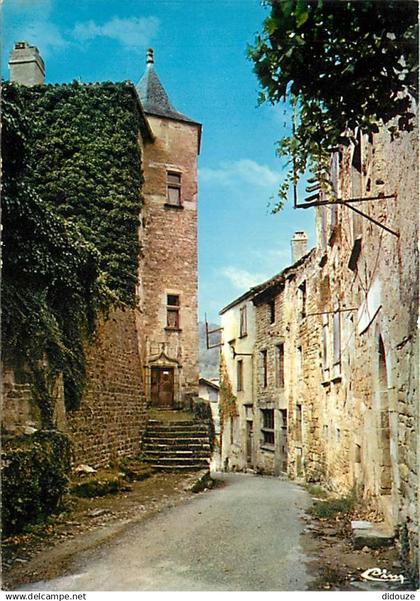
<point x="177" y="445"/>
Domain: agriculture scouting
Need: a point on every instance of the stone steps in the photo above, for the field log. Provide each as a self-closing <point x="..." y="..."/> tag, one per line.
<point x="171" y="446"/>
<point x="176" y="446"/>
<point x="178" y="436"/>
<point x="178" y="454"/>
<point x="192" y="467"/>
<point x="194" y="429"/>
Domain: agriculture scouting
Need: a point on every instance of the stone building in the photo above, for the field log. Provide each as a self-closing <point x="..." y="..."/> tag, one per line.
<point x="334" y="396"/>
<point x="236" y="397"/>
<point x="368" y="293"/>
<point x="146" y="357"/>
<point x="271" y="392"/>
<point x="168" y="268"/>
<point x="285" y="340"/>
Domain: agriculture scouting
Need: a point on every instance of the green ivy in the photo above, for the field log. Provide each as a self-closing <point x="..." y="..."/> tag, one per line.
<point x="227" y="400"/>
<point x="35" y="476"/>
<point x="71" y="204"/>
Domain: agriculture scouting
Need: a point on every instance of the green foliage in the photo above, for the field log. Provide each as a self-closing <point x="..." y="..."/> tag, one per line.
<point x="316" y="491"/>
<point x="202" y="412"/>
<point x="71" y="203"/>
<point x="34" y="478"/>
<point x="344" y="64"/>
<point x="135" y="469"/>
<point x="330" y="508"/>
<point x="99" y="485"/>
<point x="227" y="400"/>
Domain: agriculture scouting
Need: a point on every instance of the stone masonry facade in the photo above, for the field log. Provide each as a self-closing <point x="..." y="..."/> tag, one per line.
<point x="335" y="386"/>
<point x="286" y="346"/>
<point x="169" y="264"/>
<point x="112" y="416"/>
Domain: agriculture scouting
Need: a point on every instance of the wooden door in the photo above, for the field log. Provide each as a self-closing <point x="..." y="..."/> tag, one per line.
<point x="249" y="439"/>
<point x="162" y="387"/>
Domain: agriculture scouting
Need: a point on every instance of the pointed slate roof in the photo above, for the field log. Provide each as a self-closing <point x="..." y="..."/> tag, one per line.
<point x="152" y="94"/>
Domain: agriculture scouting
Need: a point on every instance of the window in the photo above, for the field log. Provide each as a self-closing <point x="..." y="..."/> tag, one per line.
<point x="240" y="375"/>
<point x="283" y="438"/>
<point x="299" y="424"/>
<point x="325" y="343"/>
<point x="324" y="291"/>
<point x="263" y="363"/>
<point x="243" y="322"/>
<point x="356" y="186"/>
<point x="337" y="338"/>
<point x="280" y="366"/>
<point x="324" y="227"/>
<point x="172" y="311"/>
<point x="272" y="311"/>
<point x="299" y="361"/>
<point x="174" y="188"/>
<point x="267" y="429"/>
<point x="302" y="299"/>
<point x="335" y="167"/>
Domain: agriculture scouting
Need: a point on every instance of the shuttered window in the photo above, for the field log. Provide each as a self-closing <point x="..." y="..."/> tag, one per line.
<point x="174" y="188"/>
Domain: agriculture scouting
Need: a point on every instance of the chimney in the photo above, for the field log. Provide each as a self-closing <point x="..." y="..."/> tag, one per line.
<point x="299" y="245"/>
<point x="26" y="65"/>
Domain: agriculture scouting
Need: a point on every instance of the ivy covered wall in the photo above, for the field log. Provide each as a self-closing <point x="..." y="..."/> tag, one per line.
<point x="71" y="205"/>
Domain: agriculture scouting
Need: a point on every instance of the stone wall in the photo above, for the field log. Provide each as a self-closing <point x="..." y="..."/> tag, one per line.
<point x="368" y="415"/>
<point x="18" y="411"/>
<point x="169" y="264"/>
<point x="112" y="416"/>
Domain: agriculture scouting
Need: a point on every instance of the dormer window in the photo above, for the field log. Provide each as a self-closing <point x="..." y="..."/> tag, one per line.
<point x="174" y="188"/>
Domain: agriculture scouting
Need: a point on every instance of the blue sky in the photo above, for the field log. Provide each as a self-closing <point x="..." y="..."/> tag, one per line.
<point x="200" y="57"/>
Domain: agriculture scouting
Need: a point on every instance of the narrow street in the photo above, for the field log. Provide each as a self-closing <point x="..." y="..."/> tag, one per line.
<point x="242" y="535"/>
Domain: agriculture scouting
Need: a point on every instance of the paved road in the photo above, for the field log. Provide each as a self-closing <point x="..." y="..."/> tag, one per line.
<point x="243" y="536"/>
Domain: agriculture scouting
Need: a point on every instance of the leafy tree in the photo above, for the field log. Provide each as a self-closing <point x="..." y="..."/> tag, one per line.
<point x="343" y="64"/>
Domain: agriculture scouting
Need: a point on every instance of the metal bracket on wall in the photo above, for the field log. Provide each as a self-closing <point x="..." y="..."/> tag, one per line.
<point x="208" y="334"/>
<point x="312" y="202"/>
<point x="330" y="312"/>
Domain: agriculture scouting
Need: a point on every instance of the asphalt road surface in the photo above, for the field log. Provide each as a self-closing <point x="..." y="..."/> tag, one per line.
<point x="243" y="536"/>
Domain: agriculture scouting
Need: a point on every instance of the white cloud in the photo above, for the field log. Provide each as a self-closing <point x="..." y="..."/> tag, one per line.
<point x="44" y="35"/>
<point x="243" y="171"/>
<point x="32" y="23"/>
<point x="134" y="32"/>
<point x="242" y="279"/>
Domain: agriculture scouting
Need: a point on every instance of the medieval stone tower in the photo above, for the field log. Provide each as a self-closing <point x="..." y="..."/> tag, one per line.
<point x="168" y="267"/>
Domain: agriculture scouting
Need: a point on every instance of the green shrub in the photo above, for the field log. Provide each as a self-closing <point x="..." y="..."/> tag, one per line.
<point x="34" y="478"/>
<point x="99" y="485"/>
<point x="135" y="470"/>
<point x="316" y="491"/>
<point x="330" y="508"/>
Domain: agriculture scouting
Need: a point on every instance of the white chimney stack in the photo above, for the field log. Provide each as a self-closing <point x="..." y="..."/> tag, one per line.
<point x="26" y="65"/>
<point x="299" y="245"/>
